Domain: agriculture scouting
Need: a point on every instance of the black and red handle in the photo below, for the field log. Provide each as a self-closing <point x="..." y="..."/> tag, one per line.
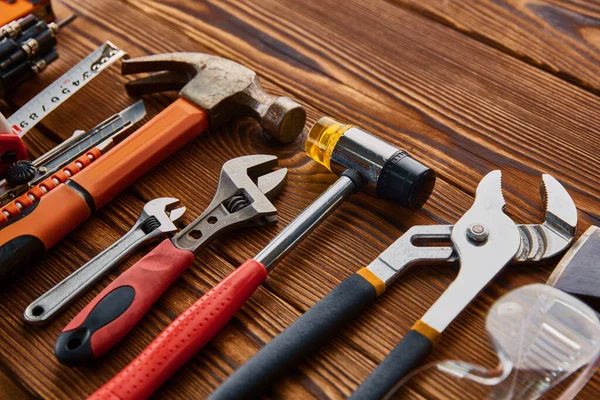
<point x="185" y="336"/>
<point x="310" y="331"/>
<point x="118" y="308"/>
<point x="12" y="150"/>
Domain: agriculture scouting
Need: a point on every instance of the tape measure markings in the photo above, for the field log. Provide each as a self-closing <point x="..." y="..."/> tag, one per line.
<point x="63" y="88"/>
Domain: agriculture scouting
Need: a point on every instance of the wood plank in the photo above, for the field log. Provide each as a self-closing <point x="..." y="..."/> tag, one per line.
<point x="463" y="118"/>
<point x="9" y="386"/>
<point x="488" y="111"/>
<point x="558" y="36"/>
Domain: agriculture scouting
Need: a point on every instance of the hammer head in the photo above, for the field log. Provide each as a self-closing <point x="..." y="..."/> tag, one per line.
<point x="223" y="88"/>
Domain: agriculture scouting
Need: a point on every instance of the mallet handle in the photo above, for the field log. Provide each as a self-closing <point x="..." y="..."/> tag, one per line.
<point x="313" y="329"/>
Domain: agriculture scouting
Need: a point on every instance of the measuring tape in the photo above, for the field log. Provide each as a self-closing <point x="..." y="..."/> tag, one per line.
<point x="12" y="148"/>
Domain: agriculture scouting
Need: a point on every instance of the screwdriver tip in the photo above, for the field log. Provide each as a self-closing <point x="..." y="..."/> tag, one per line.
<point x="67" y="21"/>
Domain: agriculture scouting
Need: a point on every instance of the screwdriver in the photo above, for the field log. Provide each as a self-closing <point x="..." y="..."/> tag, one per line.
<point x="364" y="162"/>
<point x="27" y="47"/>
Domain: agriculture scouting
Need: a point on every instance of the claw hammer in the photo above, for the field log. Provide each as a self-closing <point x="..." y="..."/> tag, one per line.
<point x="213" y="92"/>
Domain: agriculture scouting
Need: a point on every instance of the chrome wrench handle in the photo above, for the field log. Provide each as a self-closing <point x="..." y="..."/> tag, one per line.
<point x="157" y="220"/>
<point x="65" y="292"/>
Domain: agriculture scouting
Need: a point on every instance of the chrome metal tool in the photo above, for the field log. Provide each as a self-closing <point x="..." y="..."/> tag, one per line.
<point x="157" y="220"/>
<point x="363" y="161"/>
<point x="243" y="199"/>
<point x="484" y="240"/>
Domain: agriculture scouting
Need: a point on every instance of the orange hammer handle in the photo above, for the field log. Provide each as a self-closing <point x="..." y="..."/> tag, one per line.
<point x="25" y="238"/>
<point x="129" y="160"/>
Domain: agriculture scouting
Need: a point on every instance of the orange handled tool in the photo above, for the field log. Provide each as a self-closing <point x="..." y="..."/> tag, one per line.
<point x="26" y="237"/>
<point x="28" y="198"/>
<point x="217" y="89"/>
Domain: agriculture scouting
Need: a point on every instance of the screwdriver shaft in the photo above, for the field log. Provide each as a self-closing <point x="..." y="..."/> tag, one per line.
<point x="66" y="21"/>
<point x="304" y="223"/>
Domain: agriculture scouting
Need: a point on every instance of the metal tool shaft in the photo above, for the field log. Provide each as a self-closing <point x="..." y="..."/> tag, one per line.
<point x="304" y="223"/>
<point x="61" y="295"/>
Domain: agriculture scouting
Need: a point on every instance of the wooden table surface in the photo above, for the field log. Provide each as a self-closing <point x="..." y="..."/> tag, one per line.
<point x="466" y="86"/>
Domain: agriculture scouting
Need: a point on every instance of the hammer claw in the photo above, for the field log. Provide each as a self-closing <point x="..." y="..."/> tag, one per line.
<point x="190" y="62"/>
<point x="161" y="82"/>
<point x="219" y="86"/>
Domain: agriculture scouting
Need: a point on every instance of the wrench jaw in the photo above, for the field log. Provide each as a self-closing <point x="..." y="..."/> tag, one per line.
<point x="242" y="199"/>
<point x="557" y="232"/>
<point x="273" y="183"/>
<point x="176" y="214"/>
<point x="165" y="211"/>
<point x="252" y="174"/>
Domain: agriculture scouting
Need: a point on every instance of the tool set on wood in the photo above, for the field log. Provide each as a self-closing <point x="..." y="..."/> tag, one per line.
<point x="542" y="333"/>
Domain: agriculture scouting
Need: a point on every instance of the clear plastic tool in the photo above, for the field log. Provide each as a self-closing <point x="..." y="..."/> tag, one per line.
<point x="541" y="335"/>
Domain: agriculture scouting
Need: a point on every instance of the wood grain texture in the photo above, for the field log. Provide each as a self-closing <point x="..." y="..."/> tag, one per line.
<point x="453" y="102"/>
<point x="559" y="36"/>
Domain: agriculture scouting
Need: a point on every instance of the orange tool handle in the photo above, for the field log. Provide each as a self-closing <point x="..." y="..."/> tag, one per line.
<point x="27" y="199"/>
<point x="10" y="11"/>
<point x="25" y="240"/>
<point x="129" y="160"/>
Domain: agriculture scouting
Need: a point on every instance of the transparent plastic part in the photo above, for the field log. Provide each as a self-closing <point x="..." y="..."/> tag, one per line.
<point x="541" y="335"/>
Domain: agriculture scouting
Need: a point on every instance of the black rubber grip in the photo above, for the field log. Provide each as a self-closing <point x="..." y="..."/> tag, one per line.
<point x="413" y="349"/>
<point x="17" y="254"/>
<point x="294" y="344"/>
<point x="406" y="181"/>
<point x="75" y="347"/>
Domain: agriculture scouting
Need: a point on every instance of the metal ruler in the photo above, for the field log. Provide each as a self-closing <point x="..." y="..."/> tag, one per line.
<point x="63" y="88"/>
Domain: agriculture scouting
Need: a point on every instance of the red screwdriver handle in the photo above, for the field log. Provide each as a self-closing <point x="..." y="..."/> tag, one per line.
<point x="185" y="336"/>
<point x="119" y="307"/>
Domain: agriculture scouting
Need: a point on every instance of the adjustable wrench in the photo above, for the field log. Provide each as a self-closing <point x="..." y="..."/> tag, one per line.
<point x="214" y="90"/>
<point x="157" y="220"/>
<point x="238" y="203"/>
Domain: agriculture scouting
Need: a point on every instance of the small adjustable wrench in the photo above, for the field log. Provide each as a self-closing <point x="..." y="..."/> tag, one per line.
<point x="243" y="199"/>
<point x="157" y="220"/>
